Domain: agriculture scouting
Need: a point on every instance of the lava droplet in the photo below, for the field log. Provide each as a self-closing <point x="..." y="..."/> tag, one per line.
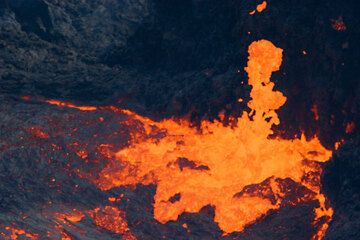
<point x="259" y="8"/>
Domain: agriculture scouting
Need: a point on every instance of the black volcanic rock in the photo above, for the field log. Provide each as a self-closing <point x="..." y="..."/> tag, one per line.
<point x="341" y="182"/>
<point x="48" y="46"/>
<point x="290" y="223"/>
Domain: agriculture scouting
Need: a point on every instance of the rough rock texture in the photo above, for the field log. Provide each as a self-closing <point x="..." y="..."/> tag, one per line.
<point x="51" y="47"/>
<point x="342" y="185"/>
<point x="167" y="58"/>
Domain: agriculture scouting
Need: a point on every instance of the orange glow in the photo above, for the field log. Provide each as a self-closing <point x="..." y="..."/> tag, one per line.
<point x="61" y="231"/>
<point x="82" y="154"/>
<point x="38" y="133"/>
<point x="16" y="233"/>
<point x="322" y="213"/>
<point x="112" y="219"/>
<point x="212" y="166"/>
<point x="25" y="98"/>
<point x="65" y="236"/>
<point x="108" y="217"/>
<point x="259" y="8"/>
<point x="70" y="105"/>
<point x="350" y="126"/>
<point x="315" y="111"/>
<point x="74" y="216"/>
<point x="338" y="24"/>
<point x="338" y="144"/>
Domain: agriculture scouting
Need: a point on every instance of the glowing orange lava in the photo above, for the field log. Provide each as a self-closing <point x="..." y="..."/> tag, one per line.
<point x="16" y="233"/>
<point x="259" y="8"/>
<point x="108" y="217"/>
<point x="315" y="111"/>
<point x="212" y="166"/>
<point x="70" y="105"/>
<point x="350" y="126"/>
<point x="112" y="219"/>
<point x="38" y="133"/>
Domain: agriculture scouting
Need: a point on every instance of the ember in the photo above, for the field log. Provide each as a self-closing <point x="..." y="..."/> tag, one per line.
<point x="259" y="8"/>
<point x="338" y="24"/>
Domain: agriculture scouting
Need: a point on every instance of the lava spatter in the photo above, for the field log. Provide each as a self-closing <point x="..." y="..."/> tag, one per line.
<point x="259" y="8"/>
<point x="13" y="233"/>
<point x="110" y="218"/>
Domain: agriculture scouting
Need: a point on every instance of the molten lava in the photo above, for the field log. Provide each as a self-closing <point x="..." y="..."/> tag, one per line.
<point x="15" y="233"/>
<point x="108" y="217"/>
<point x="195" y="168"/>
<point x="259" y="8"/>
<point x="70" y="105"/>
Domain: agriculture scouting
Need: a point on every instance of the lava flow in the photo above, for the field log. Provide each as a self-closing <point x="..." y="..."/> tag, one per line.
<point x="213" y="166"/>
